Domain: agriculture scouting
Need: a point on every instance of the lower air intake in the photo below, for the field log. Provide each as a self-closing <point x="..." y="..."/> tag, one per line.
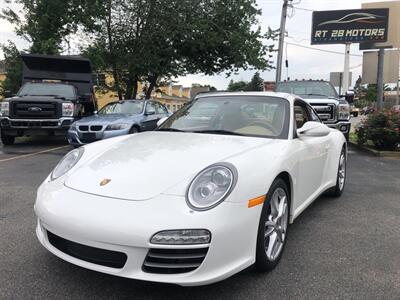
<point x="173" y="261"/>
<point x="90" y="254"/>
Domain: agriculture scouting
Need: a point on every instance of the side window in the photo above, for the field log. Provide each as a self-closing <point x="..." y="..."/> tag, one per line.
<point x="151" y="108"/>
<point x="159" y="108"/>
<point x="300" y="114"/>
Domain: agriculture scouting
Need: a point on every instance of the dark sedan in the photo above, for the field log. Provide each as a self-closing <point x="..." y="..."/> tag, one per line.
<point x="115" y="119"/>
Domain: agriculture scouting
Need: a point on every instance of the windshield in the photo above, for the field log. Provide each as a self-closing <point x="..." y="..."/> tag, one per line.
<point x="123" y="107"/>
<point x="48" y="89"/>
<point x="307" y="88"/>
<point x="239" y="115"/>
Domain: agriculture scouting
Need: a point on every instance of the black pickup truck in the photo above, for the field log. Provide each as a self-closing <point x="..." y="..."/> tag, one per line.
<point x="55" y="91"/>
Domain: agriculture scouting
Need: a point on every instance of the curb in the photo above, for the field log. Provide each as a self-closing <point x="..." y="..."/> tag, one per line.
<point x="391" y="154"/>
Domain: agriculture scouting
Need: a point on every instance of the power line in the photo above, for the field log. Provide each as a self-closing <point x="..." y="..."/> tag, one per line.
<point x="301" y="8"/>
<point x="321" y="50"/>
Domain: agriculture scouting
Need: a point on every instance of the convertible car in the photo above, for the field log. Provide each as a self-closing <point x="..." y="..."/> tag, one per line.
<point x="209" y="193"/>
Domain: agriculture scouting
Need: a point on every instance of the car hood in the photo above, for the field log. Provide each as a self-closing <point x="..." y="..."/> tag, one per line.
<point x="315" y="100"/>
<point x="106" y="119"/>
<point x="147" y="164"/>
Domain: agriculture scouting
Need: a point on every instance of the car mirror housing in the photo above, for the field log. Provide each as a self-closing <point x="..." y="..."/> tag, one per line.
<point x="161" y="121"/>
<point x="313" y="129"/>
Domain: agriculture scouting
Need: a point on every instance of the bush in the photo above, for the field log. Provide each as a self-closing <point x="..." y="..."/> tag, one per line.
<point x="382" y="129"/>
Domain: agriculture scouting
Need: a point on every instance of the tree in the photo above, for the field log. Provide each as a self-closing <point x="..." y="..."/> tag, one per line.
<point x="13" y="68"/>
<point x="237" y="86"/>
<point x="155" y="40"/>
<point x="46" y="24"/>
<point x="212" y="88"/>
<point x="256" y="83"/>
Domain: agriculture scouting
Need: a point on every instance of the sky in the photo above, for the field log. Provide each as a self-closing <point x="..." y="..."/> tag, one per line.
<point x="303" y="62"/>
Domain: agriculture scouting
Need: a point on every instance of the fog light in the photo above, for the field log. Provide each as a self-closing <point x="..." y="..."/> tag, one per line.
<point x="182" y="237"/>
<point x="343" y="128"/>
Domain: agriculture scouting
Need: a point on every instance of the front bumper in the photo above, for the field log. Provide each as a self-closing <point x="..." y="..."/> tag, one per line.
<point x="76" y="137"/>
<point x="19" y="126"/>
<point x="342" y="126"/>
<point x="127" y="227"/>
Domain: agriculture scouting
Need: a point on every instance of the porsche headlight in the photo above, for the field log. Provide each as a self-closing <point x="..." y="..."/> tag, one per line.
<point x="117" y="126"/>
<point x="67" y="163"/>
<point x="211" y="186"/>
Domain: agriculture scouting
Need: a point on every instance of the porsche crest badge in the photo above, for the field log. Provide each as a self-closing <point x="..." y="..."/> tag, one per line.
<point x="105" y="181"/>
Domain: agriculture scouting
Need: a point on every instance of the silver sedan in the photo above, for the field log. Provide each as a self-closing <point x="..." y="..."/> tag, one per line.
<point x="115" y="119"/>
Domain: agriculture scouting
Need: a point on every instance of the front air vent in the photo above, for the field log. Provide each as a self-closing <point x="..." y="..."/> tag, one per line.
<point x="103" y="257"/>
<point x="173" y="261"/>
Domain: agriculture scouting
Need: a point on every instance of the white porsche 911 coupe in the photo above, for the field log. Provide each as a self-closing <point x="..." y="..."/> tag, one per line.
<point x="208" y="194"/>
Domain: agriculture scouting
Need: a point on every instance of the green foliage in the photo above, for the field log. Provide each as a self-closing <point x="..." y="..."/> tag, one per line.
<point x="13" y="68"/>
<point x="237" y="86"/>
<point x="371" y="93"/>
<point x="44" y="23"/>
<point x="212" y="88"/>
<point x="161" y="39"/>
<point x="381" y="128"/>
<point x="256" y="83"/>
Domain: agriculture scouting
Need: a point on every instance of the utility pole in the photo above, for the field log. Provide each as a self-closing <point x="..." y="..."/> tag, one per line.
<point x="379" y="80"/>
<point x="281" y="40"/>
<point x="346" y="71"/>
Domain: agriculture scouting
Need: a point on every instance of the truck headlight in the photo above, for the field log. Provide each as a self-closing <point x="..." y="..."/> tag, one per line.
<point x="211" y="186"/>
<point x="67" y="163"/>
<point x="117" y="127"/>
<point x="67" y="109"/>
<point x="5" y="108"/>
<point x="344" y="112"/>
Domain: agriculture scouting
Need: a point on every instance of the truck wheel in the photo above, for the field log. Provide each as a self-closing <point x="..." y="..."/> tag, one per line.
<point x="7" y="139"/>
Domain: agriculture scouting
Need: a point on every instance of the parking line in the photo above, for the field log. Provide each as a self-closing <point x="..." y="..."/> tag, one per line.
<point x="32" y="154"/>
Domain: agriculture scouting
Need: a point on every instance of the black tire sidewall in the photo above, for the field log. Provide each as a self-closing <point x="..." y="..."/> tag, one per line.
<point x="133" y="130"/>
<point x="262" y="262"/>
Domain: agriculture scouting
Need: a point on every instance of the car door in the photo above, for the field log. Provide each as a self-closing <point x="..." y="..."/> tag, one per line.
<point x="312" y="156"/>
<point x="150" y="116"/>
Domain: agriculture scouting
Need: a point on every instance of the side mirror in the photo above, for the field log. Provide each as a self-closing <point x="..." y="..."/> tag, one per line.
<point x="313" y="129"/>
<point x="8" y="94"/>
<point x="349" y="96"/>
<point x="85" y="97"/>
<point x="150" y="112"/>
<point x="161" y="121"/>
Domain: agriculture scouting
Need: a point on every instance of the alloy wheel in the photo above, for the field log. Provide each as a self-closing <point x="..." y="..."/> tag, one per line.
<point x="342" y="171"/>
<point x="276" y="224"/>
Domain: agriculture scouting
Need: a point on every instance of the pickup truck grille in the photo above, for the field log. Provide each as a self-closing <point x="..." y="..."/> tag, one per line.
<point x="34" y="110"/>
<point x="326" y="112"/>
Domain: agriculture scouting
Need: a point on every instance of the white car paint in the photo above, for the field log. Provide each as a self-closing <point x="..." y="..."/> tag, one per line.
<point x="150" y="173"/>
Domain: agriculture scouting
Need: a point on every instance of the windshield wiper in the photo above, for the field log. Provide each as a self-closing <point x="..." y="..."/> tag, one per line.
<point x="216" y="131"/>
<point x="170" y="129"/>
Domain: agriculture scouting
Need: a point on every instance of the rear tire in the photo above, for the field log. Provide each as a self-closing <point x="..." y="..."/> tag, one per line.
<point x="337" y="190"/>
<point x="7" y="140"/>
<point x="273" y="226"/>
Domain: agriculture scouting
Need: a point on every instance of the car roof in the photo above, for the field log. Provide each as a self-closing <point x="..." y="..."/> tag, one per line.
<point x="286" y="96"/>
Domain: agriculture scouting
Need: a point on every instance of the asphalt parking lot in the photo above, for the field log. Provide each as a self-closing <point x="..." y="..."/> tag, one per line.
<point x="347" y="248"/>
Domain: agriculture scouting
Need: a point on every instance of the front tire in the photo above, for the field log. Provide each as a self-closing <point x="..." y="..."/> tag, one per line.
<point x="7" y="140"/>
<point x="133" y="130"/>
<point x="272" y="229"/>
<point x="338" y="189"/>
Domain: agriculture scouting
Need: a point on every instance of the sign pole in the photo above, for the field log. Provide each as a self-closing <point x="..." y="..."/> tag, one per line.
<point x="379" y="92"/>
<point x="346" y="70"/>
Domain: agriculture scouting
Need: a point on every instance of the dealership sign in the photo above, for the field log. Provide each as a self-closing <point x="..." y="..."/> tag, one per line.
<point x="350" y="26"/>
